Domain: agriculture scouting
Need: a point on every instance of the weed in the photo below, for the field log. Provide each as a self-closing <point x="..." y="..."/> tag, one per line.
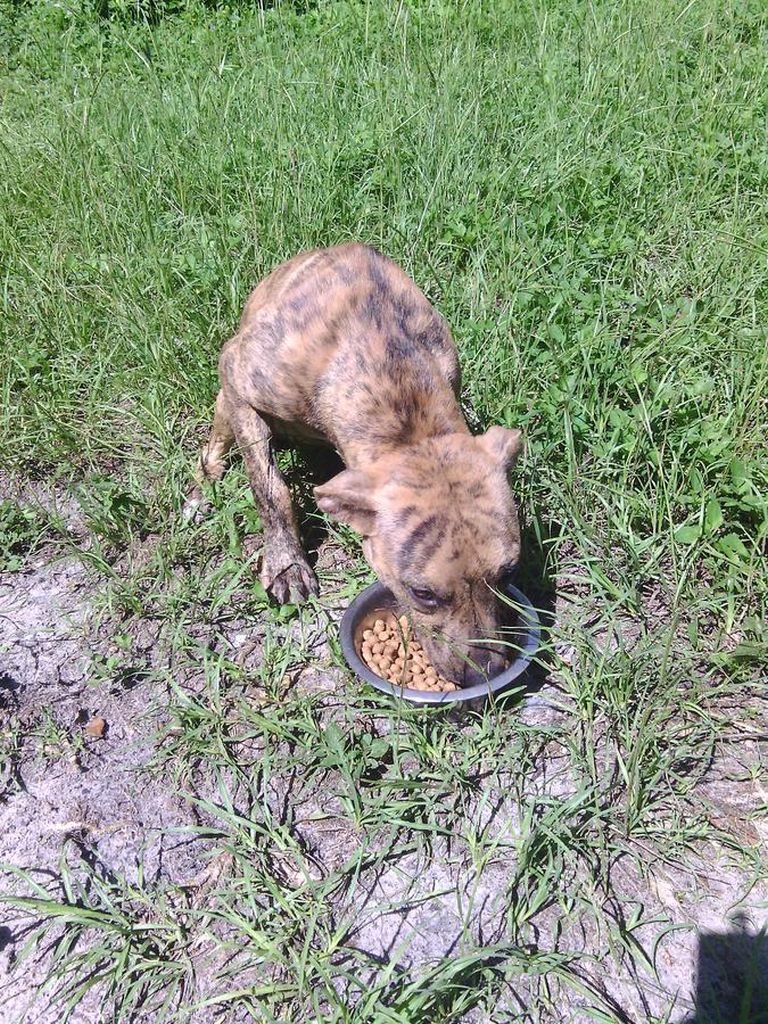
<point x="21" y="529"/>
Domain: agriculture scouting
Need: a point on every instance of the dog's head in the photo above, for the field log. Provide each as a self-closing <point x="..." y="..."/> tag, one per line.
<point x="440" y="529"/>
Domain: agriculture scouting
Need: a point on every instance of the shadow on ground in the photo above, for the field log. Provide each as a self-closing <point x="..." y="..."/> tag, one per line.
<point x="308" y="467"/>
<point x="731" y="978"/>
<point x="537" y="580"/>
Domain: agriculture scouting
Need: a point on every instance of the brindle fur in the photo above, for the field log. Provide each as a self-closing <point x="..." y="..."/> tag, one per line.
<point x="338" y="346"/>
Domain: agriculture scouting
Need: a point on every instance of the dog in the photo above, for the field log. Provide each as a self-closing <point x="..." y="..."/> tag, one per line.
<point x="338" y="347"/>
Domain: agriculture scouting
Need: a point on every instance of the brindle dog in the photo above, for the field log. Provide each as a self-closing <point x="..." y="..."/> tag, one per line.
<point x="339" y="347"/>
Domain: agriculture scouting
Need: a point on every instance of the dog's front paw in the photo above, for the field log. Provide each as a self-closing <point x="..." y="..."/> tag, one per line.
<point x="287" y="576"/>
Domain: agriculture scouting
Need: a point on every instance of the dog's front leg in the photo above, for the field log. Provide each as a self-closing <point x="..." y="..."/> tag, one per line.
<point x="285" y="572"/>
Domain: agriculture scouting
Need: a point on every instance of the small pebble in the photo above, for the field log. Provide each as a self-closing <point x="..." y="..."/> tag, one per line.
<point x="95" y="728"/>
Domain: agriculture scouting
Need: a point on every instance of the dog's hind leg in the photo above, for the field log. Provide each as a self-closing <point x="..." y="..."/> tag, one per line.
<point x="221" y="439"/>
<point x="285" y="571"/>
<point x="212" y="463"/>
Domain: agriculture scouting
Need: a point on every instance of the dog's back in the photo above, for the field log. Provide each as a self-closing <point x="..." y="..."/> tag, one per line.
<point x="341" y="344"/>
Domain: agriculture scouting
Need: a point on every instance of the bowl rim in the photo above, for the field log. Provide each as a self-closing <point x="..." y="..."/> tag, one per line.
<point x="367" y="600"/>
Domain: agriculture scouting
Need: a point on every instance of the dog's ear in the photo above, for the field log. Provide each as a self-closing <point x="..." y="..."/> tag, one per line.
<point x="503" y="445"/>
<point x="348" y="497"/>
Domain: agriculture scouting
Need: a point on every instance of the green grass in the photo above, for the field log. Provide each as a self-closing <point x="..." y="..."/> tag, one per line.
<point x="582" y="189"/>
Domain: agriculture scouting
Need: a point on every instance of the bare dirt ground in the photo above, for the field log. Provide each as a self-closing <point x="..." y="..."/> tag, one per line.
<point x="60" y="781"/>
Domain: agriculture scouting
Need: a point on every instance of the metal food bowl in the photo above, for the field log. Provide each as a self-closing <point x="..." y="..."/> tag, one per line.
<point x="378" y="598"/>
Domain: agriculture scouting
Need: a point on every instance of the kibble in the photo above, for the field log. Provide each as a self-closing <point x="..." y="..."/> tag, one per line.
<point x="389" y="650"/>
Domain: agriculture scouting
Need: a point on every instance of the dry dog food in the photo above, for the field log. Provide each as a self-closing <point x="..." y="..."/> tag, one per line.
<point x="391" y="652"/>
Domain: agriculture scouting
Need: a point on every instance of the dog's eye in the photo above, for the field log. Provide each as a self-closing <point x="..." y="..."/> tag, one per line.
<point x="424" y="597"/>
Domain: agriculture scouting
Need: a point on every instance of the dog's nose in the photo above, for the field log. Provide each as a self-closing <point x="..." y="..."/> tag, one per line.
<point x="485" y="665"/>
